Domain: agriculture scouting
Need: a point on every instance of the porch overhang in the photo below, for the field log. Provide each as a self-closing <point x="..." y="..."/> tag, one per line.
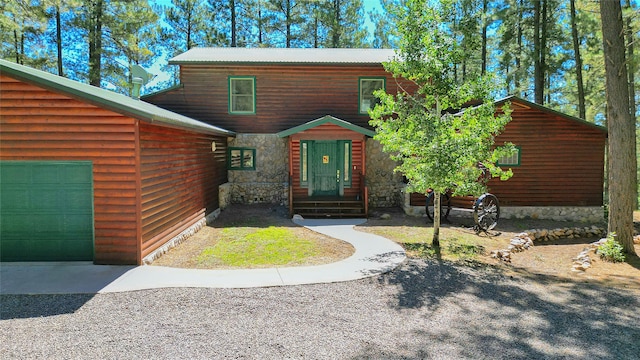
<point x="327" y="119"/>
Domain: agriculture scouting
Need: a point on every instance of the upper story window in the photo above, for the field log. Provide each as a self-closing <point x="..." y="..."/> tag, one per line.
<point x="366" y="88"/>
<point x="242" y="95"/>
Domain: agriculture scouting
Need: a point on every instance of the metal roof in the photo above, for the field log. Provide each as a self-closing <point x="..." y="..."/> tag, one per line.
<point x="324" y="120"/>
<point x="107" y="99"/>
<point x="215" y="55"/>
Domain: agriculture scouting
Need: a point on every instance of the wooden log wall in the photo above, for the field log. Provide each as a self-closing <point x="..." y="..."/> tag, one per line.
<point x="286" y="95"/>
<point x="38" y="124"/>
<point x="562" y="161"/>
<point x="180" y="176"/>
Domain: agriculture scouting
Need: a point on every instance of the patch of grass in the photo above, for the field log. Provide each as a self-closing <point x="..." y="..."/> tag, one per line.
<point x="456" y="244"/>
<point x="250" y="247"/>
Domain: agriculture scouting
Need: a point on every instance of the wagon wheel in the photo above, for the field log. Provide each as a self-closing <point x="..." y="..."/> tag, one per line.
<point x="445" y="205"/>
<point x="486" y="212"/>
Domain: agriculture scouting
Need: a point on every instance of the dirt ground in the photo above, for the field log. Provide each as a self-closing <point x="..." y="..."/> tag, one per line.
<point x="549" y="258"/>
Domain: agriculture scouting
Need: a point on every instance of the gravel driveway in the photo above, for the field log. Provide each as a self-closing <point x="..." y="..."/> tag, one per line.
<point x="422" y="310"/>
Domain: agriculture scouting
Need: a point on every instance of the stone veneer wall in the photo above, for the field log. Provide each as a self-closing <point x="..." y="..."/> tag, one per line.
<point x="385" y="186"/>
<point x="269" y="182"/>
<point x="585" y="214"/>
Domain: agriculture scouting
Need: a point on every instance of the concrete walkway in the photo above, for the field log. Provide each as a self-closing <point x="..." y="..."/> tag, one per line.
<point x="374" y="255"/>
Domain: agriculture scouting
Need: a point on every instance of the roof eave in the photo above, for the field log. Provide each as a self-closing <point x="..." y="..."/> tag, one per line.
<point x="543" y="108"/>
<point x="323" y="120"/>
<point x="108" y="103"/>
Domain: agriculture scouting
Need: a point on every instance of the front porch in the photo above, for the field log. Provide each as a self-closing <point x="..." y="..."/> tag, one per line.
<point x="327" y="171"/>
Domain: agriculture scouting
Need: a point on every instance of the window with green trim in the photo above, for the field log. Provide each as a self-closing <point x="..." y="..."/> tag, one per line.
<point x="242" y="95"/>
<point x="346" y="162"/>
<point x="304" y="163"/>
<point x="241" y="159"/>
<point x="513" y="160"/>
<point x="366" y="87"/>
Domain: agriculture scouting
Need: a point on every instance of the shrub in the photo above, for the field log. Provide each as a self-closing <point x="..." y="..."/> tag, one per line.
<point x="611" y="250"/>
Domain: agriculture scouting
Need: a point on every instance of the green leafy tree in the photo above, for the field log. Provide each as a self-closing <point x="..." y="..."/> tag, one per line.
<point x="437" y="148"/>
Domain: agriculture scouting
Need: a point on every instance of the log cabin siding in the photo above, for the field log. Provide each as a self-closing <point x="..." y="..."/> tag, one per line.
<point x="38" y="124"/>
<point x="562" y="161"/>
<point x="180" y="176"/>
<point x="286" y="95"/>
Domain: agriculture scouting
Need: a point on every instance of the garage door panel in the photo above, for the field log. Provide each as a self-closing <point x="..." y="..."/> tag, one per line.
<point x="47" y="211"/>
<point x="14" y="198"/>
<point x="76" y="199"/>
<point x="76" y="175"/>
<point x="46" y="174"/>
<point x="45" y="199"/>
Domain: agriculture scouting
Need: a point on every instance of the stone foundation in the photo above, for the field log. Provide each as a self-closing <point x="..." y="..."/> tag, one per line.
<point x="584" y="214"/>
<point x="268" y="183"/>
<point x="224" y="195"/>
<point x="184" y="235"/>
<point x="385" y="186"/>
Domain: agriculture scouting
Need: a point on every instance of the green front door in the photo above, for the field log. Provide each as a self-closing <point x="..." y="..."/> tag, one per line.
<point x="324" y="168"/>
<point x="46" y="210"/>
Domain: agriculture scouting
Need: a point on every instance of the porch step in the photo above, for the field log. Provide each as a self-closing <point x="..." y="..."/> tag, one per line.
<point x="322" y="208"/>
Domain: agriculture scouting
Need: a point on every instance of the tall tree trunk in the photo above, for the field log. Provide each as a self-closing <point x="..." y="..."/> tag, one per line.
<point x="16" y="46"/>
<point x="95" y="44"/>
<point x="288" y="23"/>
<point x="632" y="81"/>
<point x="537" y="67"/>
<point x="516" y="80"/>
<point x="436" y="219"/>
<point x="576" y="50"/>
<point x="621" y="155"/>
<point x="485" y="24"/>
<point x="59" y="40"/>
<point x="335" y="40"/>
<point x="232" y="8"/>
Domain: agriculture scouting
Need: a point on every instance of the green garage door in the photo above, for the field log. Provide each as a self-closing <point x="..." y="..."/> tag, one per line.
<point x="46" y="211"/>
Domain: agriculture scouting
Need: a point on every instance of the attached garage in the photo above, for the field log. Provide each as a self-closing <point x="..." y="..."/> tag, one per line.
<point x="88" y="174"/>
<point x="46" y="210"/>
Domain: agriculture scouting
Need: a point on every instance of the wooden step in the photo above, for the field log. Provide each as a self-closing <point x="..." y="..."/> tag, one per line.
<point x="328" y="208"/>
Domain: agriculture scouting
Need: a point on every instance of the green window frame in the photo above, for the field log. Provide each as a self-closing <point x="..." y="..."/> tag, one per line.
<point x="345" y="148"/>
<point x="239" y="158"/>
<point x="242" y="95"/>
<point x="366" y="87"/>
<point x="513" y="160"/>
<point x="304" y="163"/>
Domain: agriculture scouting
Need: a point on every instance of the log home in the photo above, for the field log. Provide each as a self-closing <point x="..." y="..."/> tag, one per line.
<point x="304" y="139"/>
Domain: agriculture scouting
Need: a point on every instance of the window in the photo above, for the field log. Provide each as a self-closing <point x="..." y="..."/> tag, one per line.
<point x="366" y="88"/>
<point x="346" y="163"/>
<point x="513" y="160"/>
<point x="242" y="95"/>
<point x="304" y="163"/>
<point x="242" y="159"/>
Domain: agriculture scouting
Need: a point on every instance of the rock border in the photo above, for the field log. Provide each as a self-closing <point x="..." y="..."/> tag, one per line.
<point x="526" y="239"/>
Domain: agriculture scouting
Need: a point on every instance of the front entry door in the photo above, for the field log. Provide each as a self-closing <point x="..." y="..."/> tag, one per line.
<point x="325" y="168"/>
